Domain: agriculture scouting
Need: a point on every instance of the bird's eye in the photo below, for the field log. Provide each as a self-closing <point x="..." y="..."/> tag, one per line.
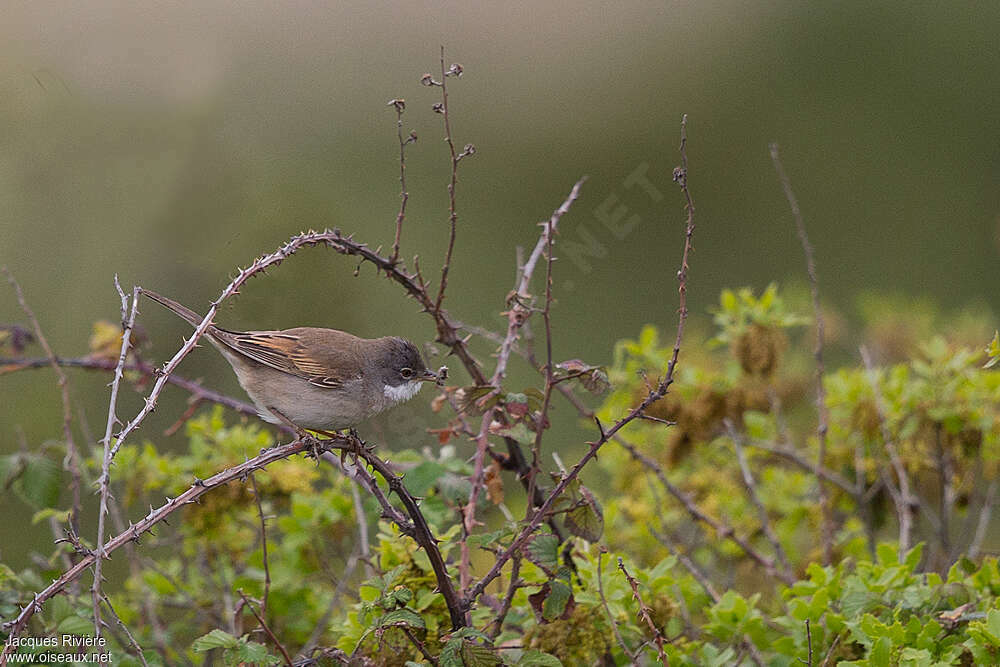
<point x="407" y="373"/>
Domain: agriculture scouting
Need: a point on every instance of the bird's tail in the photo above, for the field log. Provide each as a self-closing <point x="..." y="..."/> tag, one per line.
<point x="183" y="312"/>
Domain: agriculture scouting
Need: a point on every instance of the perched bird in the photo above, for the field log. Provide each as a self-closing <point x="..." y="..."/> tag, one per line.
<point x="317" y="379"/>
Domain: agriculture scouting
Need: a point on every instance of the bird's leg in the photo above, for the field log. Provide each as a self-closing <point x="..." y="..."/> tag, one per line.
<point x="300" y="432"/>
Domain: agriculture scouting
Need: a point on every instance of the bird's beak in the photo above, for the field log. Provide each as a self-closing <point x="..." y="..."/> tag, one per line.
<point x="428" y="376"/>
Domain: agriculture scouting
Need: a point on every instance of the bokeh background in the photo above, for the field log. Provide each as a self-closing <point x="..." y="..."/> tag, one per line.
<point x="171" y="142"/>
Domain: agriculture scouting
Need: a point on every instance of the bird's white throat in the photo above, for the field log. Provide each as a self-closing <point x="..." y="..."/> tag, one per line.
<point x="403" y="392"/>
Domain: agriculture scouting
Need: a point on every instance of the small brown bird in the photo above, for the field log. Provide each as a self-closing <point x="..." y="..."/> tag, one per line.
<point x="318" y="379"/>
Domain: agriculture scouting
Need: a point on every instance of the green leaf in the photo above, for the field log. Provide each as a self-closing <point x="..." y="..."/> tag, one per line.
<point x="75" y="625"/>
<point x="403" y="617"/>
<point x="535" y="658"/>
<point x="542" y="549"/>
<point x="477" y="655"/>
<point x="40" y="482"/>
<point x="421" y="479"/>
<point x="993" y="351"/>
<point x="214" y="639"/>
<point x="62" y="516"/>
<point x="586" y="520"/>
<point x="555" y="602"/>
<point x="881" y="653"/>
<point x="251" y="653"/>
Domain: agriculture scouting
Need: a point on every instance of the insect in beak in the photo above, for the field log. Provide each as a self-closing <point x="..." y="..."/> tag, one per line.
<point x="437" y="378"/>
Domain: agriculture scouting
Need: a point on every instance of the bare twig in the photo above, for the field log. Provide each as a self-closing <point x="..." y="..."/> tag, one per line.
<point x="985" y="514"/>
<point x="128" y="322"/>
<point x="404" y="196"/>
<point x="901" y="495"/>
<point x="946" y="494"/>
<point x="809" y="641"/>
<point x="801" y="461"/>
<point x="155" y="516"/>
<point x="823" y="419"/>
<point x="751" y="485"/>
<point x="72" y="460"/>
<point x="266" y="628"/>
<point x="517" y="315"/>
<point x="515" y="583"/>
<point x="416" y="527"/>
<point x="324" y="620"/>
<point x="363" y="540"/>
<point x="644" y="613"/>
<point x="680" y="175"/>
<point x="422" y="647"/>
<point x="455" y="70"/>
<point x="689" y="565"/>
<point x="197" y="391"/>
<point x="542" y="419"/>
<point x="607" y="610"/>
<point x="721" y="528"/>
<point x="263" y="545"/>
<point x="131" y="639"/>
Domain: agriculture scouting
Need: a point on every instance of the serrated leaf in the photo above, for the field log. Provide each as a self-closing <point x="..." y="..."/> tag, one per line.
<point x="477" y="655"/>
<point x="251" y="653"/>
<point x="404" y="617"/>
<point x="467" y="398"/>
<point x="535" y="658"/>
<point x="519" y="432"/>
<point x="587" y="519"/>
<point x="214" y="639"/>
<point x="557" y="602"/>
<point x="542" y="549"/>
<point x="451" y="656"/>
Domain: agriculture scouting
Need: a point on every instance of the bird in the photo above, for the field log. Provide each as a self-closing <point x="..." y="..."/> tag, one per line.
<point x="318" y="379"/>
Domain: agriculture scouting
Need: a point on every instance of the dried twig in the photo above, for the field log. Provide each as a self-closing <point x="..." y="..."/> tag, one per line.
<point x="455" y="70"/>
<point x="197" y="391"/>
<point x="515" y="582"/>
<point x="263" y="545"/>
<point x="985" y="514"/>
<point x="72" y="460"/>
<point x="632" y="655"/>
<point x="644" y="612"/>
<point x="809" y="642"/>
<point x="901" y="495"/>
<point x="155" y="516"/>
<point x="751" y="485"/>
<point x="404" y="196"/>
<point x="823" y="419"/>
<point x="517" y="315"/>
<point x="542" y="419"/>
<point x="680" y="175"/>
<point x="266" y="628"/>
<point x="131" y="639"/>
<point x="128" y="322"/>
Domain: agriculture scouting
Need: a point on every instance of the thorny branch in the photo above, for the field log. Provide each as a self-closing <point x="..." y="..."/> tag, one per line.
<point x="519" y="310"/>
<point x="644" y="613"/>
<point x="655" y="394"/>
<point x="128" y="323"/>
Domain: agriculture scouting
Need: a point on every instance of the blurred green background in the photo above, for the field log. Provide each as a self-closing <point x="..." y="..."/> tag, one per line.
<point x="172" y="142"/>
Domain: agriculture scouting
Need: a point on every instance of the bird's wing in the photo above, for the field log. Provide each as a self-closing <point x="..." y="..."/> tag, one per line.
<point x="298" y="352"/>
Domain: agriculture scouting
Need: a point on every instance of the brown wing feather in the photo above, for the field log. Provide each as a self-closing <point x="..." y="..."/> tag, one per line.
<point x="316" y="355"/>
